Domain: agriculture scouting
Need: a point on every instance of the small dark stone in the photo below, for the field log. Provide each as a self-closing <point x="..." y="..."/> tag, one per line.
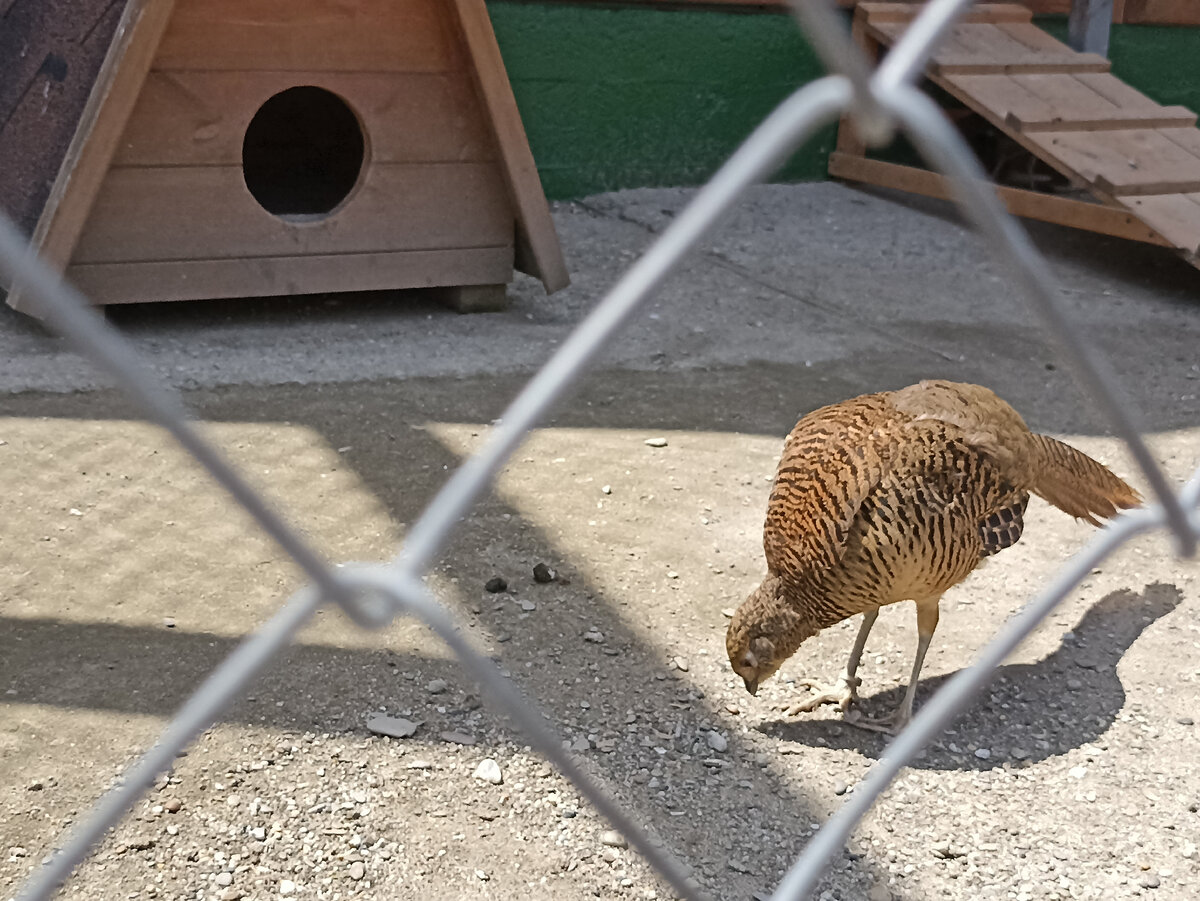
<point x="495" y="585"/>
<point x="543" y="574"/>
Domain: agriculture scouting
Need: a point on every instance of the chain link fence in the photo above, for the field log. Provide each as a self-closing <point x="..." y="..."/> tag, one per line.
<point x="882" y="102"/>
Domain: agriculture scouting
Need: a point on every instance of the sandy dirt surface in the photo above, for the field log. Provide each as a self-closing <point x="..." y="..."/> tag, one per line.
<point x="125" y="577"/>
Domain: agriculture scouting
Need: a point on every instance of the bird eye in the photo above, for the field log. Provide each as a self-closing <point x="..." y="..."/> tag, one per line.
<point x="748" y="661"/>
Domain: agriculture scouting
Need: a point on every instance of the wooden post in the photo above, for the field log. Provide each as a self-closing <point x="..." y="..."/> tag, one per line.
<point x="1088" y="26"/>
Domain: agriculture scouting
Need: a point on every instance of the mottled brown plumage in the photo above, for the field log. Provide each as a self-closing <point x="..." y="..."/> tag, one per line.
<point x="898" y="496"/>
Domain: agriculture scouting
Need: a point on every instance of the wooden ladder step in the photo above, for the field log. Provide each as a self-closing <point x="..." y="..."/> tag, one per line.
<point x="1167" y="117"/>
<point x="989" y="13"/>
<point x="1135" y="161"/>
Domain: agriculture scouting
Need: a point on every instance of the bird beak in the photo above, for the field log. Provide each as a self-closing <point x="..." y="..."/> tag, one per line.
<point x="751" y="686"/>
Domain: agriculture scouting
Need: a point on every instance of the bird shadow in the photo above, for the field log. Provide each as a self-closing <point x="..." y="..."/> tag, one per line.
<point x="1030" y="711"/>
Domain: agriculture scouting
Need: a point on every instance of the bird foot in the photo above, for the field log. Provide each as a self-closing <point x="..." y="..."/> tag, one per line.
<point x="891" y="724"/>
<point x="843" y="693"/>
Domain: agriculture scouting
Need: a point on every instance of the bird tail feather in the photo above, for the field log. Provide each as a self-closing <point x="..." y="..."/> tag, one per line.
<point x="1076" y="484"/>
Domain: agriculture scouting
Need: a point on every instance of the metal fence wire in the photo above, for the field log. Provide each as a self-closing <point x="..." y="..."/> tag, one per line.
<point x="881" y="102"/>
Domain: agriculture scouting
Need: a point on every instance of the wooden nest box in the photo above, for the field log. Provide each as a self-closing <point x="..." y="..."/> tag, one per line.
<point x="236" y="148"/>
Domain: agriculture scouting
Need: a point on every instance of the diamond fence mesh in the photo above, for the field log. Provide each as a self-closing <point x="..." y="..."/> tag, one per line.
<point x="881" y="103"/>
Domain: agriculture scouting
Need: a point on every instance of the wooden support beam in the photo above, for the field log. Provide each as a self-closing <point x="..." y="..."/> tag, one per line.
<point x="1029" y="204"/>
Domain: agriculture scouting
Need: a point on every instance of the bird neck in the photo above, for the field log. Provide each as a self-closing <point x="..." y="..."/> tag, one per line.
<point x="784" y="611"/>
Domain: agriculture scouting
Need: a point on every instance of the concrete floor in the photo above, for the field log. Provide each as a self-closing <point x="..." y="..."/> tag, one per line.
<point x="350" y="411"/>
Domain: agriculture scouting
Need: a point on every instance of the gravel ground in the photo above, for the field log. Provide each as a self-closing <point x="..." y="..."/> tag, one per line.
<point x="125" y="577"/>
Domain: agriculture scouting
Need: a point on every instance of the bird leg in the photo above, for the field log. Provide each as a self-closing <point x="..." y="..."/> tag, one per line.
<point x="927" y="620"/>
<point x="845" y="691"/>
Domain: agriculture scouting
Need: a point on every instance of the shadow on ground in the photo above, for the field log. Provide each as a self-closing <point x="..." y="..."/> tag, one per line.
<point x="1030" y="711"/>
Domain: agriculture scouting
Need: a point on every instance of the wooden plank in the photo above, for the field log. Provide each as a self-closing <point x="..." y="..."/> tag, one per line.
<point x="200" y="118"/>
<point x="1170" y="117"/>
<point x="992" y="13"/>
<point x="1175" y="216"/>
<point x="206" y="212"/>
<point x="538" y="250"/>
<point x="986" y="49"/>
<point x="1136" y="161"/>
<point x="309" y="36"/>
<point x="1028" y="204"/>
<point x="1079" y="63"/>
<point x="1029" y="35"/>
<point x="111" y="283"/>
<point x="108" y="108"/>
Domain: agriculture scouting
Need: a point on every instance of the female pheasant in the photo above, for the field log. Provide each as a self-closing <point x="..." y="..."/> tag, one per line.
<point x="898" y="496"/>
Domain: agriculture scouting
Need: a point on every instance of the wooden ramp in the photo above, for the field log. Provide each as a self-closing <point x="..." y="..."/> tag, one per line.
<point x="1139" y="160"/>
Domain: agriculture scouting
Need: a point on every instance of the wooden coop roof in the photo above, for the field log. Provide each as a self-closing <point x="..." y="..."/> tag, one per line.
<point x="96" y="120"/>
<point x="1139" y="160"/>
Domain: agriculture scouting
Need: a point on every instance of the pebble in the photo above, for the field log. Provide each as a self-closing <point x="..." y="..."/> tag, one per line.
<point x="230" y="894"/>
<point x="224" y="879"/>
<point x="1185" y="721"/>
<point x="35" y="786"/>
<point x="680" y="664"/>
<point x="543" y="574"/>
<point x="169" y="623"/>
<point x="983" y="753"/>
<point x="1019" y="754"/>
<point x="358" y="870"/>
<point x="287" y="887"/>
<point x="840" y="788"/>
<point x="609" y="855"/>
<point x="879" y="892"/>
<point x="613" y="839"/>
<point x="172" y="805"/>
<point x="458" y="738"/>
<point x="655" y="442"/>
<point x="489" y="771"/>
<point x="607" y="489"/>
<point x="1074" y="685"/>
<point x="728" y="612"/>
<point x="259" y="834"/>
<point x="1188" y="852"/>
<point x="392" y="726"/>
<point x="528" y="606"/>
<point x="495" y="585"/>
<point x="595" y="636"/>
<point x="1078" y="772"/>
<point x="1150" y="880"/>
<point x="482" y="876"/>
<point x="717" y="742"/>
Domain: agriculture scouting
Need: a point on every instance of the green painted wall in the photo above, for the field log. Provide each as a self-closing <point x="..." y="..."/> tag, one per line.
<point x="622" y="97"/>
<point x="619" y="98"/>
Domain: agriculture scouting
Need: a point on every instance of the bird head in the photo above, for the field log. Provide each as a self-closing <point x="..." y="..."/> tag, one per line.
<point x="750" y="641"/>
<point x="765" y="630"/>
<point x="752" y="658"/>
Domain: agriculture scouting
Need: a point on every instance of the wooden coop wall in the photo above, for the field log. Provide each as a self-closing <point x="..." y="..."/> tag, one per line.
<point x="174" y="219"/>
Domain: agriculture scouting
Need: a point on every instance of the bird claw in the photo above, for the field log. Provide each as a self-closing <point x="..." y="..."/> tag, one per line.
<point x="844" y="694"/>
<point x="891" y="724"/>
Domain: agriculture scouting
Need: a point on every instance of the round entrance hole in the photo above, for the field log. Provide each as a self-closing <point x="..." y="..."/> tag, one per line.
<point x="302" y="153"/>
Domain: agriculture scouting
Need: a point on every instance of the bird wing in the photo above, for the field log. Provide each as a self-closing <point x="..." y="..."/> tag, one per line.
<point x="838" y="457"/>
<point x="831" y="461"/>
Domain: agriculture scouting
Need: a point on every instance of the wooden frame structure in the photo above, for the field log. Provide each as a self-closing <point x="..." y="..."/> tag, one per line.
<point x="1139" y="160"/>
<point x="152" y="201"/>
